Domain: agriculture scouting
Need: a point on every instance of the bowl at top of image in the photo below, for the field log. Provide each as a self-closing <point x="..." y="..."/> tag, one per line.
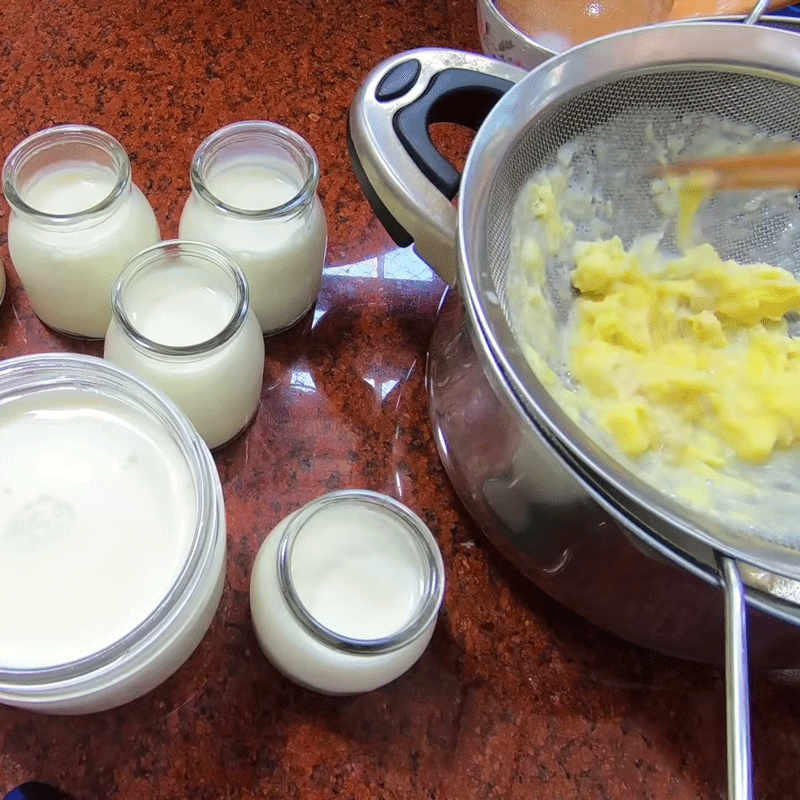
<point x="527" y="32"/>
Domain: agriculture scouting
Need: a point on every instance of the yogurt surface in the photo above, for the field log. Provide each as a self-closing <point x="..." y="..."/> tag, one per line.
<point x="71" y="189"/>
<point x="97" y="518"/>
<point x="357" y="572"/>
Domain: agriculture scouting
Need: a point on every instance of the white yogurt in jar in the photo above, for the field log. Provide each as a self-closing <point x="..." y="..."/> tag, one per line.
<point x="112" y="535"/>
<point x="76" y="219"/>
<point x="254" y="196"/>
<point x="358" y="573"/>
<point x="344" y="593"/>
<point x="97" y="516"/>
<point x="182" y="322"/>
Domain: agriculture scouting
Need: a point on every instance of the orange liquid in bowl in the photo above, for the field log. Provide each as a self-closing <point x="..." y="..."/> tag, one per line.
<point x="559" y="24"/>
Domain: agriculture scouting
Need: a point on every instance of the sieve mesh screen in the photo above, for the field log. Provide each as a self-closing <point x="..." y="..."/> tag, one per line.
<point x="609" y="133"/>
<point x="599" y="141"/>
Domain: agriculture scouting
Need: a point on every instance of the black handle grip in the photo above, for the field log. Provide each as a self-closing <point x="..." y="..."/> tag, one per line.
<point x="453" y="95"/>
<point x="399" y="234"/>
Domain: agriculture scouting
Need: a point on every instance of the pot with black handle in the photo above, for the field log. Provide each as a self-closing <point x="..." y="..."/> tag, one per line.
<point x="589" y="532"/>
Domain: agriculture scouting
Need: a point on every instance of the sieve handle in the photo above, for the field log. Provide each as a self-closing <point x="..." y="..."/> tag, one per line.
<point x="408" y="182"/>
<point x="740" y="780"/>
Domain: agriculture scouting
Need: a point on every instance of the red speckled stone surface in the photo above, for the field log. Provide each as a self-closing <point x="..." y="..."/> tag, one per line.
<point x="515" y="697"/>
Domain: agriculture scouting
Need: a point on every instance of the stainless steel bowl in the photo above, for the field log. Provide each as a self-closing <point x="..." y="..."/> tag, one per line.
<point x="589" y="531"/>
<point x="501" y="39"/>
<point x="567" y="524"/>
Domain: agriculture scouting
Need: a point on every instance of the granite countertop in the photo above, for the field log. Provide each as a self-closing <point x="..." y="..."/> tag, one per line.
<point x="515" y="697"/>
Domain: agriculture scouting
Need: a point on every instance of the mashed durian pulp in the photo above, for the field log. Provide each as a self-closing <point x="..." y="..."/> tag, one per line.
<point x="692" y="358"/>
<point x="687" y="357"/>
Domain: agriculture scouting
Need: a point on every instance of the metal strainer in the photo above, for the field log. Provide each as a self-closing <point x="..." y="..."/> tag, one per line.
<point x="607" y="109"/>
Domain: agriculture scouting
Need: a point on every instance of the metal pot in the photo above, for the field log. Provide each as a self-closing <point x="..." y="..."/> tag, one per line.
<point x="591" y="534"/>
<point x="572" y="533"/>
<point x="611" y="573"/>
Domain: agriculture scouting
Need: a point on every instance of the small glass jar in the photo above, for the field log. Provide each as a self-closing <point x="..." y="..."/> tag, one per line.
<point x="345" y="592"/>
<point x="113" y="535"/>
<point x="254" y="195"/>
<point x="182" y="322"/>
<point x="76" y="218"/>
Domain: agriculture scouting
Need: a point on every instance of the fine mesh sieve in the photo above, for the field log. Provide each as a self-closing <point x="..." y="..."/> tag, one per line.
<point x="599" y="116"/>
<point x="593" y="150"/>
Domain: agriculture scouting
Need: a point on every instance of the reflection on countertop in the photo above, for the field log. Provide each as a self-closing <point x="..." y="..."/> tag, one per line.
<point x="515" y="697"/>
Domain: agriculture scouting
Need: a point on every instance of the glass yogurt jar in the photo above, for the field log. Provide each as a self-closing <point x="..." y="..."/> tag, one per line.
<point x="345" y="592"/>
<point x="254" y="195"/>
<point x="182" y="321"/>
<point x="112" y="527"/>
<point x="76" y="218"/>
